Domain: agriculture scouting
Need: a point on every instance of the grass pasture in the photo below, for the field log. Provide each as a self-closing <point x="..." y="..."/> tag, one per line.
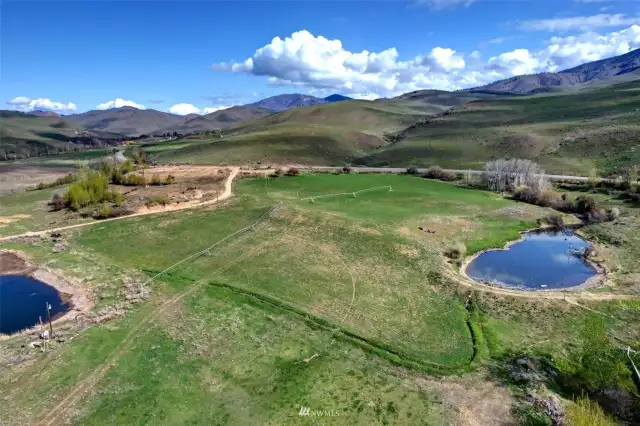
<point x="340" y="305"/>
<point x="567" y="132"/>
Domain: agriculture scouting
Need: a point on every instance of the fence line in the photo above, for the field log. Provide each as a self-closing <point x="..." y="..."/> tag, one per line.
<point x="201" y="252"/>
<point x="313" y="198"/>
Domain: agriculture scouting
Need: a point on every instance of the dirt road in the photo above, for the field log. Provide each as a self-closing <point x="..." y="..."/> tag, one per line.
<point x="227" y="193"/>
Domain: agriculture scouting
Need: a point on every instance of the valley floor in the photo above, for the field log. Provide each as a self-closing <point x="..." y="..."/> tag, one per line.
<point x="343" y="305"/>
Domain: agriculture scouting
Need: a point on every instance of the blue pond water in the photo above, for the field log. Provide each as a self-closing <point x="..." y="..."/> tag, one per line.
<point x="22" y="301"/>
<point x="543" y="260"/>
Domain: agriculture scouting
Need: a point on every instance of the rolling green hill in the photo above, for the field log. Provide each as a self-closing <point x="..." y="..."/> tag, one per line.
<point x="332" y="133"/>
<point x="565" y="132"/>
<point x="26" y="135"/>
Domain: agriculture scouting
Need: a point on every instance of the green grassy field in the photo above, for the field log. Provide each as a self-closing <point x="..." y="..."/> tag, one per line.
<point x="29" y="211"/>
<point x="342" y="305"/>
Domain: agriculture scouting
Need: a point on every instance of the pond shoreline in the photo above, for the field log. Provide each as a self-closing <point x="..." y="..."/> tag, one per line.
<point x="592" y="282"/>
<point x="13" y="262"/>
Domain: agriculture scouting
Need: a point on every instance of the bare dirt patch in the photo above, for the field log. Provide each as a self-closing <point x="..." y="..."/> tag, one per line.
<point x="472" y="400"/>
<point x="192" y="185"/>
<point x="5" y="220"/>
<point x="20" y="178"/>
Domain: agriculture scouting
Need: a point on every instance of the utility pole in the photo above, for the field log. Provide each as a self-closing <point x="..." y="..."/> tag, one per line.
<point x="49" y="318"/>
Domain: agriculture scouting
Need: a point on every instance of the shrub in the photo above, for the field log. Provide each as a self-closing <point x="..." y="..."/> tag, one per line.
<point x="170" y="179"/>
<point x="346" y="169"/>
<point x="585" y="204"/>
<point x="155" y="180"/>
<point x="585" y="412"/>
<point x="457" y="252"/>
<point x="134" y="180"/>
<point x="614" y="213"/>
<point x="547" y="198"/>
<point x="555" y="220"/>
<point x="596" y="215"/>
<point x="117" y="197"/>
<point x="293" y="171"/>
<point x="530" y="415"/>
<point x="57" y="202"/>
<point x="526" y="194"/>
<point x="158" y="199"/>
<point x="92" y="188"/>
<point x="437" y="172"/>
<point x="277" y="173"/>
<point x="126" y="167"/>
<point x="103" y="212"/>
<point x="412" y="171"/>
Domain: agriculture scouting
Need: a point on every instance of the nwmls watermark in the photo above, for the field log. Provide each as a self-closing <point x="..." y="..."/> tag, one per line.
<point x="308" y="412"/>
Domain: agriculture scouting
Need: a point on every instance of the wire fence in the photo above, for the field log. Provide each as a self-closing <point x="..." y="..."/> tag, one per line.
<point x="353" y="194"/>
<point x="206" y="250"/>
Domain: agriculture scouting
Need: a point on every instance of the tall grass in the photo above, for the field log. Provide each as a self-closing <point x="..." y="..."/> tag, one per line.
<point x="585" y="412"/>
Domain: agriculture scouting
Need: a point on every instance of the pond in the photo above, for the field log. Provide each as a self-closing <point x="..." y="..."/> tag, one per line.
<point x="23" y="300"/>
<point x="549" y="259"/>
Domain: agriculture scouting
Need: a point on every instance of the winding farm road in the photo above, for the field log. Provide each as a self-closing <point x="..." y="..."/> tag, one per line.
<point x="227" y="193"/>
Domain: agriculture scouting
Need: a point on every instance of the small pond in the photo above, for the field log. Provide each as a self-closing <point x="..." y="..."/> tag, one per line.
<point x="23" y="300"/>
<point x="542" y="260"/>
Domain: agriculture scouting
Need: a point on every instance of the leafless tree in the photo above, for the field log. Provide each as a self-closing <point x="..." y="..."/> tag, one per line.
<point x="506" y="175"/>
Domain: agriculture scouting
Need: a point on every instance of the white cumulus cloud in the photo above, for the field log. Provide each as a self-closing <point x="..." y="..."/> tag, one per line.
<point x="119" y="103"/>
<point x="314" y="62"/>
<point x="209" y="110"/>
<point x="580" y="23"/>
<point x="184" y="109"/>
<point x="25" y="104"/>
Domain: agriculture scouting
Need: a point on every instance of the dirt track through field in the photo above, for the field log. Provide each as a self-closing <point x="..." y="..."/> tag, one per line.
<point x="227" y="193"/>
<point x="57" y="414"/>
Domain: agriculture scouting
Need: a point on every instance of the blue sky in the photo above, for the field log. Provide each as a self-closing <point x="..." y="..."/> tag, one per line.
<point x="74" y="56"/>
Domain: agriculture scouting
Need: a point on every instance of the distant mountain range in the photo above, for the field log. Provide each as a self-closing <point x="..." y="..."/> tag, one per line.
<point x="605" y="69"/>
<point x="295" y="100"/>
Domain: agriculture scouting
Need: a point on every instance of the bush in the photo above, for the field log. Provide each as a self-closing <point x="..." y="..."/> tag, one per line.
<point x="277" y="173"/>
<point x="437" y="172"/>
<point x="293" y="171"/>
<point x="555" y="220"/>
<point x="529" y="415"/>
<point x="412" y="171"/>
<point x="596" y="215"/>
<point x="585" y="204"/>
<point x="57" y="202"/>
<point x="614" y="213"/>
<point x="170" y="179"/>
<point x="134" y="180"/>
<point x="346" y="169"/>
<point x="117" y="197"/>
<point x="158" y="199"/>
<point x="547" y="198"/>
<point x="155" y="180"/>
<point x="585" y="412"/>
<point x="457" y="252"/>
<point x="103" y="212"/>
